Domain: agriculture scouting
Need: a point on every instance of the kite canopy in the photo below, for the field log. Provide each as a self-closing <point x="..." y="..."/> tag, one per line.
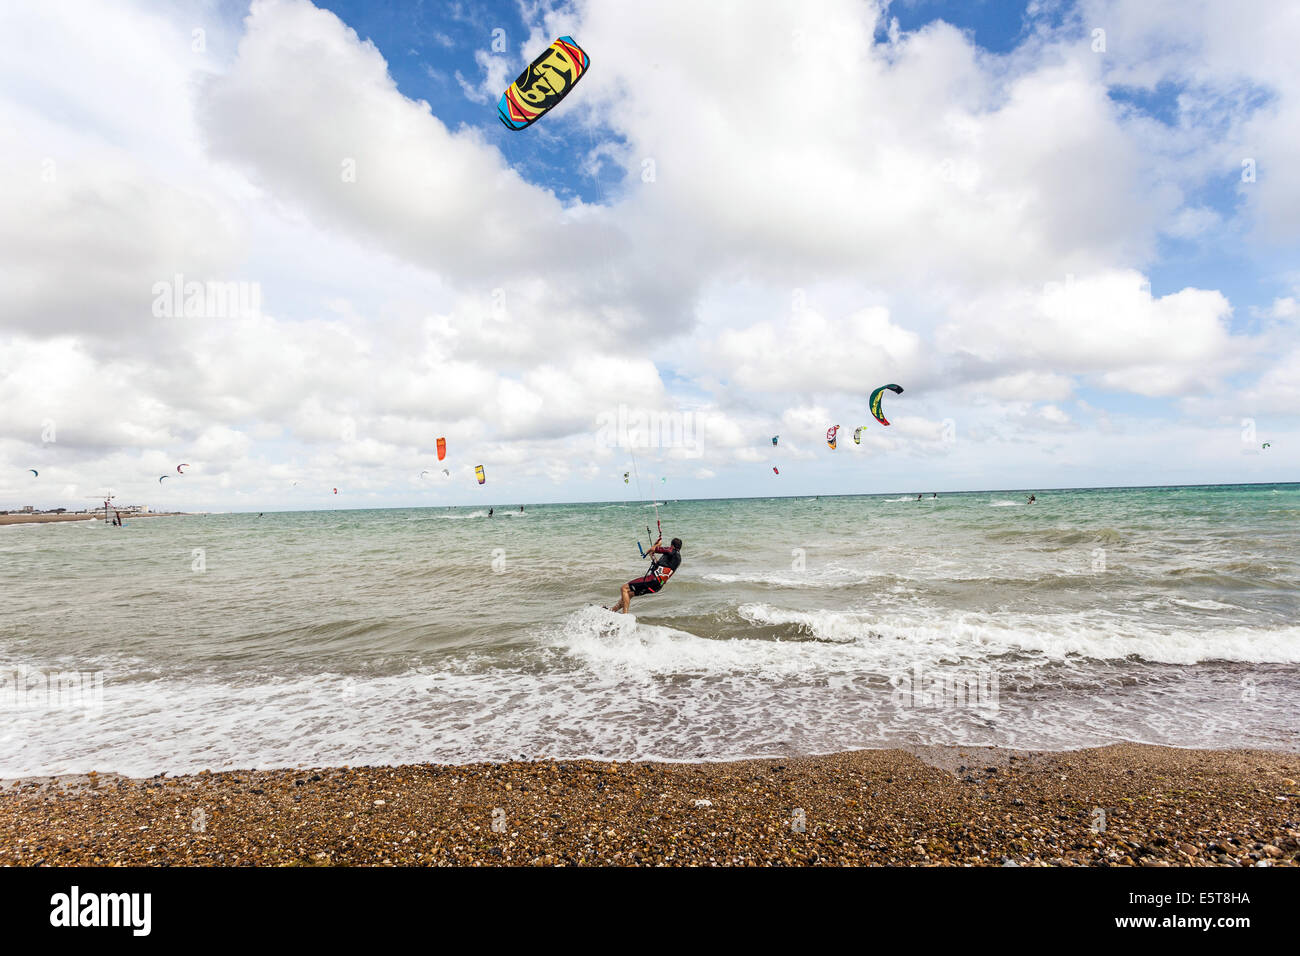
<point x="857" y="434"/>
<point x="480" y="474"/>
<point x="774" y="439"/>
<point x="336" y="491"/>
<point x="830" y="435"/>
<point x="625" y="474"/>
<point x="423" y="473"/>
<point x="775" y="471"/>
<point x="546" y="81"/>
<point x="876" y="411"/>
<point x="442" y="448"/>
<point x="34" y="472"/>
<point x="161" y="477"/>
<point x="184" y="464"/>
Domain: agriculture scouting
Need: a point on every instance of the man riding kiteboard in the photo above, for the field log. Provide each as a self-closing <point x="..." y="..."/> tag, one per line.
<point x="667" y="560"/>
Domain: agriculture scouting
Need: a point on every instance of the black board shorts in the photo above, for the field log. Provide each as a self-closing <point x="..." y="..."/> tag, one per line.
<point x="646" y="585"/>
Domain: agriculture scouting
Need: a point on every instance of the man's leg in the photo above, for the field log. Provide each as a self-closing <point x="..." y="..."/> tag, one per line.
<point x="625" y="600"/>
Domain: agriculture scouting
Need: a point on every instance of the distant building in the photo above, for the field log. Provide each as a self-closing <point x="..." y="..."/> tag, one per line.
<point x="28" y="509"/>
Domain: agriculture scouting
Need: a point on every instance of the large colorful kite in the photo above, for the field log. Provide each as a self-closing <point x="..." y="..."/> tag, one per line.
<point x="876" y="410"/>
<point x="546" y="81"/>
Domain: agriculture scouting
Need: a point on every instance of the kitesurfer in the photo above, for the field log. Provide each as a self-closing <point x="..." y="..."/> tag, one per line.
<point x="668" y="561"/>
<point x="489" y="512"/>
<point x="1032" y="499"/>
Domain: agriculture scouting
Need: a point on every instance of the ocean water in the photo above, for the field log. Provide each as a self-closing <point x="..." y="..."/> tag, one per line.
<point x="795" y="626"/>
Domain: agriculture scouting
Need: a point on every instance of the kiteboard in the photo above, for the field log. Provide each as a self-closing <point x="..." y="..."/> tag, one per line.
<point x="609" y="621"/>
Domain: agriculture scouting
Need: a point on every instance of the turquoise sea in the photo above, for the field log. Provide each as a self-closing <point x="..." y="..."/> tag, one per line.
<point x="795" y="625"/>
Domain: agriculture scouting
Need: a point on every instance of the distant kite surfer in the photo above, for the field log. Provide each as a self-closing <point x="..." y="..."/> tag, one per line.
<point x="489" y="512"/>
<point x="1031" y="500"/>
<point x="669" y="560"/>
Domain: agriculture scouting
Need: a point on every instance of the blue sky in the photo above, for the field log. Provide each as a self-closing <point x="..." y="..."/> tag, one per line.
<point x="428" y="44"/>
<point x="746" y="218"/>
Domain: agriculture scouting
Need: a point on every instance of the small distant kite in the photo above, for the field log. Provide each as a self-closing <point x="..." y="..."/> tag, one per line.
<point x="480" y="474"/>
<point x="161" y="477"/>
<point x="775" y="470"/>
<point x="446" y="473"/>
<point x="775" y="438"/>
<point x="1266" y="444"/>
<point x="336" y="491"/>
<point x="34" y="472"/>
<point x="184" y="464"/>
<point x="857" y="434"/>
<point x="625" y="474"/>
<point x="877" y="412"/>
<point x="442" y="448"/>
<point x="423" y="473"/>
<point x="830" y="435"/>
<point x="546" y="81"/>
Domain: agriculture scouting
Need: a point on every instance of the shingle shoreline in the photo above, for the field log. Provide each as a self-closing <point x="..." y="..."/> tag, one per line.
<point x="1123" y="805"/>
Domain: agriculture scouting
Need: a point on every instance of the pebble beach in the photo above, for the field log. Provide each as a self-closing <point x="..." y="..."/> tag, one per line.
<point x="1123" y="805"/>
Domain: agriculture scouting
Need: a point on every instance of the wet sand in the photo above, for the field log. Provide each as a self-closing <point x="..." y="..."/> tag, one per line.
<point x="1124" y="805"/>
<point x="46" y="518"/>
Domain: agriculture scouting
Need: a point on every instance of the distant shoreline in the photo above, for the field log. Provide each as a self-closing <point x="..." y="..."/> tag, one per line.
<point x="1122" y="805"/>
<point x="83" y="516"/>
<point x="803" y="496"/>
<point x="335" y="508"/>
